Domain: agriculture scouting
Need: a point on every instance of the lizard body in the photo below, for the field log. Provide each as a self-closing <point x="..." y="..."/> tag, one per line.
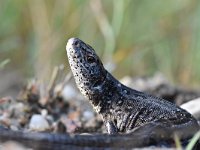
<point x="123" y="109"/>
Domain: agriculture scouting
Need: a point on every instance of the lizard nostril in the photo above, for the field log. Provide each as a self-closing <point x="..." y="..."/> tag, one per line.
<point x="76" y="43"/>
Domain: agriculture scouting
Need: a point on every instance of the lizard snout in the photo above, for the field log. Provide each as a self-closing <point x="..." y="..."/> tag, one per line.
<point x="73" y="42"/>
<point x="72" y="45"/>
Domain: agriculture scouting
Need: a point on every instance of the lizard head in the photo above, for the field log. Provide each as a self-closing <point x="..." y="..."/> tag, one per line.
<point x="86" y="66"/>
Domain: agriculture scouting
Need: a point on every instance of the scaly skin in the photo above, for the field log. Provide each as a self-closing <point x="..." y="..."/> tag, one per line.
<point x="123" y="109"/>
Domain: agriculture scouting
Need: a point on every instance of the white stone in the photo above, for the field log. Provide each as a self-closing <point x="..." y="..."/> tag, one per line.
<point x="44" y="112"/>
<point x="87" y="115"/>
<point x="193" y="107"/>
<point x="38" y="123"/>
<point x="69" y="93"/>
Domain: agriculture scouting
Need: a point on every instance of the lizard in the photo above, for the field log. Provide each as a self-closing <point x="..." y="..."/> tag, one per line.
<point x="123" y="109"/>
<point x="145" y="120"/>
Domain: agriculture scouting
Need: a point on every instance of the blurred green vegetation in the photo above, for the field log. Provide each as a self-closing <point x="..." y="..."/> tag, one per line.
<point x="4" y="63"/>
<point x="140" y="37"/>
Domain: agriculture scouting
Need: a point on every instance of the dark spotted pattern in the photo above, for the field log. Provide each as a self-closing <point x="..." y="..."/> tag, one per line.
<point x="122" y="108"/>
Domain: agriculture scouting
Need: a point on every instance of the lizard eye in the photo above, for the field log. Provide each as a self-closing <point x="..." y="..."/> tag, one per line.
<point x="90" y="59"/>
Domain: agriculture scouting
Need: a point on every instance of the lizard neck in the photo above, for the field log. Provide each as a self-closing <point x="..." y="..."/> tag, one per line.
<point x="102" y="96"/>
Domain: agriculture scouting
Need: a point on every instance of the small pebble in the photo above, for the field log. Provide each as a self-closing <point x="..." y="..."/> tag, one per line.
<point x="69" y="93"/>
<point x="44" y="112"/>
<point x="14" y="128"/>
<point x="10" y="145"/>
<point x="59" y="127"/>
<point x="88" y="115"/>
<point x="38" y="123"/>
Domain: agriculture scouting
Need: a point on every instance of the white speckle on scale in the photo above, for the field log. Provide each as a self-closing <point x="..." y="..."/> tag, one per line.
<point x="119" y="102"/>
<point x="129" y="107"/>
<point x="97" y="108"/>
